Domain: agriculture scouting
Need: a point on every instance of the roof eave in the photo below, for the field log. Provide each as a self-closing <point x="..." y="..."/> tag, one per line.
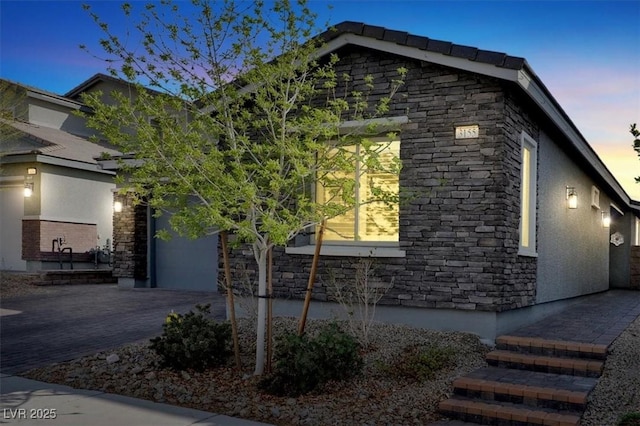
<point x="56" y="161"/>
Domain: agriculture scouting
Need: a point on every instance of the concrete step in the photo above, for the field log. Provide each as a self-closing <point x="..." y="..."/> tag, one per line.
<point x="545" y="364"/>
<point x="76" y="276"/>
<point x="502" y="413"/>
<point x="449" y="422"/>
<point x="548" y="347"/>
<point x="516" y="393"/>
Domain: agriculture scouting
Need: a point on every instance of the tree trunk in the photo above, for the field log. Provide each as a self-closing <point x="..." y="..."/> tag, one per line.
<point x="260" y="252"/>
<point x="230" y="299"/>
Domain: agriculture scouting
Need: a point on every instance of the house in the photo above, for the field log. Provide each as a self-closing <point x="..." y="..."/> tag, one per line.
<point x="512" y="215"/>
<point x="54" y="200"/>
<point x="140" y="260"/>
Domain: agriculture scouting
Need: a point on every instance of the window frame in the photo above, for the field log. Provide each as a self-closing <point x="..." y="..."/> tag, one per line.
<point x="357" y="219"/>
<point x="383" y="249"/>
<point x="528" y="196"/>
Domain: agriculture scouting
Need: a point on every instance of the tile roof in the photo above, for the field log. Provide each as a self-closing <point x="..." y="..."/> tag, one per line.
<point x="423" y="43"/>
<point x="57" y="143"/>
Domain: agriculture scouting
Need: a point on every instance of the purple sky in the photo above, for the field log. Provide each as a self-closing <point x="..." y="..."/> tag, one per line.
<point x="586" y="52"/>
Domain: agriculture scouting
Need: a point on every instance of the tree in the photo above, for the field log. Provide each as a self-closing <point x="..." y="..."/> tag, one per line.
<point x="636" y="142"/>
<point x="11" y="107"/>
<point x="248" y="118"/>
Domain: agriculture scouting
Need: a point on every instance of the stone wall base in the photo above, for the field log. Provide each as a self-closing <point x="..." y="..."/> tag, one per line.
<point x="486" y="325"/>
<point x="635" y="267"/>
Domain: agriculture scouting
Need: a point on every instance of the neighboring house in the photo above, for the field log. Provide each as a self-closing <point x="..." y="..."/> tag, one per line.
<point x="490" y="238"/>
<point x="139" y="259"/>
<point x="53" y="196"/>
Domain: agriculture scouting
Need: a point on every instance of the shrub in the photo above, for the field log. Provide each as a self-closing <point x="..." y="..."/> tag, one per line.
<point x="193" y="341"/>
<point x="420" y="363"/>
<point x="630" y="419"/>
<point x="303" y="363"/>
<point x="360" y="298"/>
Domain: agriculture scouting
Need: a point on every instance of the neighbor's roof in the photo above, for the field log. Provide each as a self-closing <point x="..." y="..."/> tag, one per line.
<point x="97" y="79"/>
<point x="54" y="144"/>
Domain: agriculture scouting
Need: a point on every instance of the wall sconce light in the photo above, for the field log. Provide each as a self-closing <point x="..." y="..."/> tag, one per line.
<point x="606" y="220"/>
<point x="572" y="197"/>
<point x="28" y="189"/>
<point x="32" y="171"/>
<point x="117" y="206"/>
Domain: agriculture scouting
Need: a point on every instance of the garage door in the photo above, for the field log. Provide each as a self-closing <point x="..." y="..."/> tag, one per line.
<point x="184" y="264"/>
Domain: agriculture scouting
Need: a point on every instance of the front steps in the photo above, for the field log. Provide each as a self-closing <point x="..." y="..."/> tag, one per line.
<point x="76" y="276"/>
<point x="529" y="381"/>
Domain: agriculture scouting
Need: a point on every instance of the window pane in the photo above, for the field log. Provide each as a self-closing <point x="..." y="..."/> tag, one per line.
<point x="526" y="188"/>
<point x="370" y="220"/>
<point x="378" y="221"/>
<point x="337" y="186"/>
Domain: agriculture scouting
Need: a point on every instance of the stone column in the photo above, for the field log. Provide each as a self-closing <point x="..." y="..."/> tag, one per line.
<point x="130" y="242"/>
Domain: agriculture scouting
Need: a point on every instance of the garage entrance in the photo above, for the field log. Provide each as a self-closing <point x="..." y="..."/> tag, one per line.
<point x="184" y="264"/>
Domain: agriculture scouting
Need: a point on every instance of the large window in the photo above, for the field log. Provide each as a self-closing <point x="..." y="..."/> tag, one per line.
<point x="528" y="178"/>
<point x="369" y="221"/>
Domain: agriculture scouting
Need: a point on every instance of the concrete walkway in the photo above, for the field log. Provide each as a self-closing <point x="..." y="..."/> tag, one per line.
<point x="543" y="373"/>
<point x="71" y="321"/>
<point x="31" y="403"/>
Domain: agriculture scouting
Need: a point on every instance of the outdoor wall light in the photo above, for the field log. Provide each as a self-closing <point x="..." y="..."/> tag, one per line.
<point x="572" y="197"/>
<point x="117" y="206"/>
<point x="28" y="189"/>
<point x="606" y="220"/>
<point x="32" y="171"/>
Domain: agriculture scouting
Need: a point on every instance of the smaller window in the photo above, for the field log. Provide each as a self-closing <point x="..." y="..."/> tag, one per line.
<point x="595" y="197"/>
<point x="528" y="192"/>
<point x="637" y="236"/>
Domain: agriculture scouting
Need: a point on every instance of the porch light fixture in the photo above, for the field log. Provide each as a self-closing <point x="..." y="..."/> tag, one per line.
<point x="572" y="197"/>
<point x="606" y="220"/>
<point x="117" y="206"/>
<point x="32" y="171"/>
<point x="28" y="189"/>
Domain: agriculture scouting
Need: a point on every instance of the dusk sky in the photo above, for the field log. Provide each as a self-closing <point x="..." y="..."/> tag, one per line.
<point x="587" y="53"/>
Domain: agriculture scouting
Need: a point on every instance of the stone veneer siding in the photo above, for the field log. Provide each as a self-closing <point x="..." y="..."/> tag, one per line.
<point x="635" y="267"/>
<point x="130" y="240"/>
<point x="460" y="227"/>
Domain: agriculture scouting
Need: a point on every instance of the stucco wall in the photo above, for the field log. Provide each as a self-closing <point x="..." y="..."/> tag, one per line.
<point x="48" y="114"/>
<point x="573" y="247"/>
<point x="619" y="256"/>
<point x="11" y="212"/>
<point x="78" y="197"/>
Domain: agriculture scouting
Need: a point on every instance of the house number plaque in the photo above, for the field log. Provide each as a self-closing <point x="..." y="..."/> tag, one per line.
<point x="467" y="132"/>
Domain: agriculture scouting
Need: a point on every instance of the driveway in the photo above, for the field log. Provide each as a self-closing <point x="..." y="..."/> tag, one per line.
<point x="72" y="321"/>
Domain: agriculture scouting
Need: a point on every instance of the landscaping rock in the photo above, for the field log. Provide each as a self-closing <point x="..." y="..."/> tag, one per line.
<point x="113" y="358"/>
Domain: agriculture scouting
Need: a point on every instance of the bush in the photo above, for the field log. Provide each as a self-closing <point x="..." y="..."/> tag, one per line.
<point x="303" y="363"/>
<point x="420" y="363"/>
<point x="630" y="419"/>
<point x="193" y="341"/>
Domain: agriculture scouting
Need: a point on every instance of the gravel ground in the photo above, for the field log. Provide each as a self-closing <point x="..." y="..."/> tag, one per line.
<point x="226" y="391"/>
<point x="618" y="390"/>
<point x="397" y="401"/>
<point x="13" y="284"/>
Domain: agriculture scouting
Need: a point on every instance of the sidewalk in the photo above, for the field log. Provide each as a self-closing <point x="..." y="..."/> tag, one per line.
<point x="31" y="403"/>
